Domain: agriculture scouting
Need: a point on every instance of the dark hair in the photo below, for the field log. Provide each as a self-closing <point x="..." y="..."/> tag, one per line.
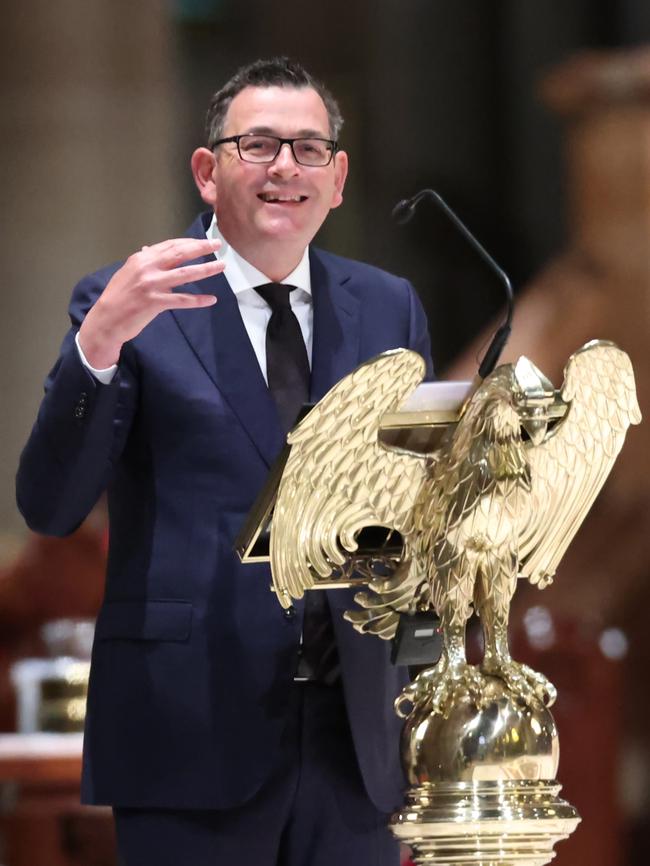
<point x="276" y="72"/>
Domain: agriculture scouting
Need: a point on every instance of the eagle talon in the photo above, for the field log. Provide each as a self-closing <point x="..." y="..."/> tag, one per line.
<point x="437" y="690"/>
<point x="528" y="685"/>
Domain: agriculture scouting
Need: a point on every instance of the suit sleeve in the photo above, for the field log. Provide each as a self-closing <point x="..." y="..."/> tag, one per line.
<point x="419" y="339"/>
<point x="79" y="432"/>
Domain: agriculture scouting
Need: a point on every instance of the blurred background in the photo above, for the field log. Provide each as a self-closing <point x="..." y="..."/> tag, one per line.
<point x="532" y="117"/>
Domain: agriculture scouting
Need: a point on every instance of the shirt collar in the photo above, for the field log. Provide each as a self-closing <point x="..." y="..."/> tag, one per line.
<point x="242" y="276"/>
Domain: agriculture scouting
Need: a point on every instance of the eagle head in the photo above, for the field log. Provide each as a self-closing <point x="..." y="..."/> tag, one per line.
<point x="532" y="396"/>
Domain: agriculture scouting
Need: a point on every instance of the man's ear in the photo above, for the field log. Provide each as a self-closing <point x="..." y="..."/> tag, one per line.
<point x="340" y="174"/>
<point x="203" y="164"/>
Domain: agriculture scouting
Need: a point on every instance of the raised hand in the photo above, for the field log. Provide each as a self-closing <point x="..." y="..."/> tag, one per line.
<point x="142" y="288"/>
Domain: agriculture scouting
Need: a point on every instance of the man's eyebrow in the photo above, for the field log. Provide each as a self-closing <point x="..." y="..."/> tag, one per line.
<point x="301" y="133"/>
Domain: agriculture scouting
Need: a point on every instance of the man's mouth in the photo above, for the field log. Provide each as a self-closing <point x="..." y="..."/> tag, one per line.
<point x="277" y="198"/>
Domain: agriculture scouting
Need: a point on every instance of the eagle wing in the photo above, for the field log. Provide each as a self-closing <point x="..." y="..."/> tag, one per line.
<point x="340" y="478"/>
<point x="571" y="465"/>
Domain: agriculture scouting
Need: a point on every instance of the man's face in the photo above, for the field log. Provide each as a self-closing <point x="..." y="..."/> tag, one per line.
<point x="245" y="193"/>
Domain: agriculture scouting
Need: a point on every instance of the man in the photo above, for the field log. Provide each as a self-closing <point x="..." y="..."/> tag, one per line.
<point x="214" y="729"/>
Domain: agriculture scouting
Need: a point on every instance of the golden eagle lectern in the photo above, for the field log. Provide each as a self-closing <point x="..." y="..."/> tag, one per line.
<point x="500" y="498"/>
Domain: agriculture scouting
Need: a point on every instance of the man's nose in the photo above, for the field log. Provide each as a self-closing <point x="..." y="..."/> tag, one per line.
<point x="284" y="163"/>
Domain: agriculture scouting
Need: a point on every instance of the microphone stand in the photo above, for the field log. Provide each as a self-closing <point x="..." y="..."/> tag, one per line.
<point x="404" y="211"/>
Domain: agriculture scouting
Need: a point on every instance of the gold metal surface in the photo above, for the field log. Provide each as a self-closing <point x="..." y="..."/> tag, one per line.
<point x="431" y="418"/>
<point x="481" y="788"/>
<point x="62" y="704"/>
<point x="501" y="740"/>
<point x="252" y="541"/>
<point x="484" y="823"/>
<point x="500" y="497"/>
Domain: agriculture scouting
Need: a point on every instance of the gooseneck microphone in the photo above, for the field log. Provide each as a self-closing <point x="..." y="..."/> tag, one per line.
<point x="403" y="212"/>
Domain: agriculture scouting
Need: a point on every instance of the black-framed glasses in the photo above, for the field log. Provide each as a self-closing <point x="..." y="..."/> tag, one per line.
<point x="312" y="152"/>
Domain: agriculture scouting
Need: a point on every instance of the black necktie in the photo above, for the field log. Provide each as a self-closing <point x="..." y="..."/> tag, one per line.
<point x="287" y="370"/>
<point x="287" y="365"/>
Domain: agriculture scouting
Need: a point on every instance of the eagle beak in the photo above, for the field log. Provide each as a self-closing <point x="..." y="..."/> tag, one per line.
<point x="536" y="426"/>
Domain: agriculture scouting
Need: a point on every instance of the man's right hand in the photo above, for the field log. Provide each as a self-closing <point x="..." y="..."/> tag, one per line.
<point x="140" y="290"/>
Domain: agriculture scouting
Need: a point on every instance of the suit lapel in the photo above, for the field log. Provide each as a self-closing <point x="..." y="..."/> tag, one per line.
<point x="219" y="339"/>
<point x="335" y="349"/>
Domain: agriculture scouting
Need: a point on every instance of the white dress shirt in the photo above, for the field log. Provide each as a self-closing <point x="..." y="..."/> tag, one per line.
<point x="255" y="312"/>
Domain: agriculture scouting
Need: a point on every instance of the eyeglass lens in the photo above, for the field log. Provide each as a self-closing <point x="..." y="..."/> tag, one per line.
<point x="265" y="148"/>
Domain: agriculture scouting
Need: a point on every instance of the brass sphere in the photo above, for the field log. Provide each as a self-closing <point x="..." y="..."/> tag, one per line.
<point x="501" y="740"/>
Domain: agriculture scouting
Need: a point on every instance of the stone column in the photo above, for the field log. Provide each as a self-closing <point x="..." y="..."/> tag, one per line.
<point x="89" y="174"/>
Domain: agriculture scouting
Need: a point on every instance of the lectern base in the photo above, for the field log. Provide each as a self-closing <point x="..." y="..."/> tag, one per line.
<point x="484" y="823"/>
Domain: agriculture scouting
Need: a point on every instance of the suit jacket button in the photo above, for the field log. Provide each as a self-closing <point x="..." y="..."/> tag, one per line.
<point x="81" y="407"/>
<point x="290" y="612"/>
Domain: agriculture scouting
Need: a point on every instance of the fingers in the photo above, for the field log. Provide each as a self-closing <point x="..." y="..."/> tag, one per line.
<point x="167" y="280"/>
<point x="171" y="253"/>
<point x="183" y="300"/>
<point x="142" y="288"/>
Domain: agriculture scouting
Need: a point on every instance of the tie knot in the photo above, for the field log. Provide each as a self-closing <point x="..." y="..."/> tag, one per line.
<point x="276" y="295"/>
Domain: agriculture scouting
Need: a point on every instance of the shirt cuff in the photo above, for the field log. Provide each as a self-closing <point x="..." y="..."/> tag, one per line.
<point x="105" y="376"/>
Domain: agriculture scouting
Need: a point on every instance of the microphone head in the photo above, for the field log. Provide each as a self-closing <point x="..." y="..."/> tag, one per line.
<point x="403" y="210"/>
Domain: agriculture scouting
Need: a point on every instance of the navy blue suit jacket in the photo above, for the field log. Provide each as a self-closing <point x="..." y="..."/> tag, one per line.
<point x="193" y="656"/>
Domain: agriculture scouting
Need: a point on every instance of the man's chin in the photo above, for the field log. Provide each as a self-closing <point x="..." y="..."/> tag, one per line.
<point x="283" y="228"/>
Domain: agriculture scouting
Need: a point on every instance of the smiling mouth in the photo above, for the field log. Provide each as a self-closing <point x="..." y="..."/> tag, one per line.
<point x="273" y="198"/>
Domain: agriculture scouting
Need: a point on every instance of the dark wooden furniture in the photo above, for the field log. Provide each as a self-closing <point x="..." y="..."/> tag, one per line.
<point x="41" y="820"/>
